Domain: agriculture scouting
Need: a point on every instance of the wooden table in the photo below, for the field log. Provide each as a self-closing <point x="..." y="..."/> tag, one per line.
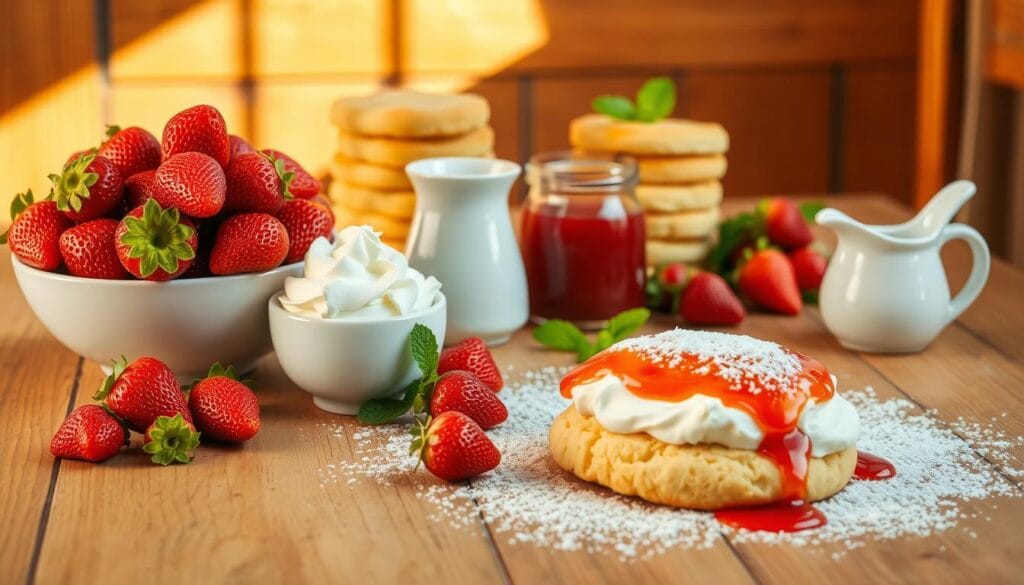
<point x="259" y="513"/>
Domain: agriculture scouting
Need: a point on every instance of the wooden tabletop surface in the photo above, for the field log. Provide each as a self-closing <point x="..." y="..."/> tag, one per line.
<point x="259" y="513"/>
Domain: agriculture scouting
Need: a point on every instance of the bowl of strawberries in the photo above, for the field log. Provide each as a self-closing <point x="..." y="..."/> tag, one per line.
<point x="167" y="247"/>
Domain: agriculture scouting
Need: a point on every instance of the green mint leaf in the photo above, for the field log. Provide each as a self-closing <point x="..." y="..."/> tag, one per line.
<point x="585" y="353"/>
<point x="604" y="340"/>
<point x="809" y="209"/>
<point x="423" y="345"/>
<point x="561" y="335"/>
<point x="810" y="297"/>
<point x="624" y="324"/>
<point x="616" y="106"/>
<point x="656" y="99"/>
<point x="382" y="410"/>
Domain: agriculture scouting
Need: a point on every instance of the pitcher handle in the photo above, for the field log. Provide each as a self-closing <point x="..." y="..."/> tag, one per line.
<point x="981" y="263"/>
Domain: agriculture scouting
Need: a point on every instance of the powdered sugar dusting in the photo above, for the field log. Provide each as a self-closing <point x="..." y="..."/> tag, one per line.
<point x="740" y="359"/>
<point x="529" y="499"/>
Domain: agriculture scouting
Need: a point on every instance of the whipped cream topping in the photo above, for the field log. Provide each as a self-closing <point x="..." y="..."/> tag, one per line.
<point x="357" y="277"/>
<point x="831" y="426"/>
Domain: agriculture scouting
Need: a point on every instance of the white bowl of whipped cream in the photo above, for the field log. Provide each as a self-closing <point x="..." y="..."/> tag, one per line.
<point x="341" y="329"/>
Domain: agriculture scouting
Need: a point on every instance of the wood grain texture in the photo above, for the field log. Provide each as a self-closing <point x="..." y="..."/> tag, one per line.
<point x="1004" y="57"/>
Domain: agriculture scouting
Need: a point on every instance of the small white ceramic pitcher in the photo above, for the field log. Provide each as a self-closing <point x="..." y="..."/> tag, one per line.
<point x="462" y="235"/>
<point x="885" y="289"/>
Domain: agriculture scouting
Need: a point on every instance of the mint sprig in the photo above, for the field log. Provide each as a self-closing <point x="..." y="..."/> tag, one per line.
<point x="423" y="347"/>
<point x="655" y="100"/>
<point x="564" y="336"/>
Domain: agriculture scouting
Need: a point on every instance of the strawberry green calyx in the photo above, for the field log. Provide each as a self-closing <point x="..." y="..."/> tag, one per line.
<point x="219" y="371"/>
<point x="71" y="186"/>
<point x="117" y="368"/>
<point x="420" y="436"/>
<point x="158" y="239"/>
<point x="20" y="203"/>
<point x="171" y="440"/>
<point x="112" y="129"/>
<point x="286" y="176"/>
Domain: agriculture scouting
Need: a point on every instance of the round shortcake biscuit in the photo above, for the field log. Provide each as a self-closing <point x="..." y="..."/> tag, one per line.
<point x="396" y="152"/>
<point x="673" y="198"/>
<point x="396" y="204"/>
<point x="370" y="175"/>
<point x="703" y="477"/>
<point x="686" y="224"/>
<point x="661" y="252"/>
<point x="669" y="136"/>
<point x="410" y="114"/>
<point x="390" y="228"/>
<point x="681" y="169"/>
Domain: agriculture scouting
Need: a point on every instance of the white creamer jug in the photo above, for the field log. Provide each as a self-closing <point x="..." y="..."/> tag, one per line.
<point x="885" y="289"/>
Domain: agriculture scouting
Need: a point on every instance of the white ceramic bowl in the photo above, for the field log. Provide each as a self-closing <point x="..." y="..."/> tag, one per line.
<point x="345" y="363"/>
<point x="187" y="323"/>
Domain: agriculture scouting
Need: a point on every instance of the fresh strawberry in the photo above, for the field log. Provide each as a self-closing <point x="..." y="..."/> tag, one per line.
<point x="141" y="391"/>
<point x="305" y="222"/>
<point x="809" y="267"/>
<point x="88" y="187"/>
<point x="709" y="300"/>
<point x="463" y="392"/>
<point x="673" y="276"/>
<point x="257" y="182"/>
<point x="453" y="447"/>
<point x="784" y="225"/>
<point x="132" y="150"/>
<point x="89" y="433"/>
<point x="138" y="189"/>
<point x="249" y="242"/>
<point x="198" y="129"/>
<point x="472" y="356"/>
<point x="154" y="243"/>
<point x="239" y="146"/>
<point x="170" y="439"/>
<point x="767" y="279"/>
<point x="34" y="235"/>
<point x="304" y="185"/>
<point x="88" y="250"/>
<point x="224" y="408"/>
<point x="78" y="153"/>
<point x="192" y="183"/>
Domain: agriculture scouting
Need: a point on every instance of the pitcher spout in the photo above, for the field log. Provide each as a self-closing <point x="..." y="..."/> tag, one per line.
<point x="841" y="223"/>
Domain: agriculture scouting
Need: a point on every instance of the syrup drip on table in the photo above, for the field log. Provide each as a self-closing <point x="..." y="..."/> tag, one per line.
<point x="778" y="517"/>
<point x="872" y="467"/>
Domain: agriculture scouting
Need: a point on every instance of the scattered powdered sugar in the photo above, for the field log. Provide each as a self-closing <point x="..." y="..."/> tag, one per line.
<point x="529" y="499"/>
<point x="737" y="358"/>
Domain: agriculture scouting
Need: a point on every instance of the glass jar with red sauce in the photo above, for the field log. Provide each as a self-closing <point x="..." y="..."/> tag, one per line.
<point x="582" y="237"/>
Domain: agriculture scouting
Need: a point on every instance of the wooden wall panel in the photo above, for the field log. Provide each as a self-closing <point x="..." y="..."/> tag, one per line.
<point x="878" y="129"/>
<point x="151" y="105"/>
<point x="557" y="101"/>
<point x="1005" y="47"/>
<point x="778" y="125"/>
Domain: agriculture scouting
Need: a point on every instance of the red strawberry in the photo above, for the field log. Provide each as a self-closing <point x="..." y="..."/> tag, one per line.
<point x="141" y="391"/>
<point x="809" y="267"/>
<point x="249" y="242"/>
<point x="89" y="433"/>
<point x="224" y="408"/>
<point x="132" y="150"/>
<point x="767" y="279"/>
<point x="708" y="300"/>
<point x="88" y="250"/>
<point x="170" y="439"/>
<point x="453" y="447"/>
<point x="155" y="243"/>
<point x="673" y="276"/>
<point x="239" y="146"/>
<point x="784" y="224"/>
<point x="472" y="356"/>
<point x="198" y="129"/>
<point x="305" y="221"/>
<point x="88" y="187"/>
<point x="34" y="235"/>
<point x="138" y="189"/>
<point x="257" y="182"/>
<point x="463" y="392"/>
<point x="191" y="182"/>
<point x="304" y="185"/>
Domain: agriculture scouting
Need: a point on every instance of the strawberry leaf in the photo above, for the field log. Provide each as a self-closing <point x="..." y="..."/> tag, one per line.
<point x="809" y="209"/>
<point x="616" y="106"/>
<point x="656" y="99"/>
<point x="732" y="233"/>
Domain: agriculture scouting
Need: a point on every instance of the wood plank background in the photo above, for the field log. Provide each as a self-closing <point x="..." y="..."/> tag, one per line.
<point x="818" y="96"/>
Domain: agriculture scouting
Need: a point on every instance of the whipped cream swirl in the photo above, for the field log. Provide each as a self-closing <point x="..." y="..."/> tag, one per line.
<point x="357" y="277"/>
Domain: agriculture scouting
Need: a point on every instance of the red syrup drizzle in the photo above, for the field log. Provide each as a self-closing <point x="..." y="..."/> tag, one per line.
<point x="779" y="517"/>
<point x="872" y="467"/>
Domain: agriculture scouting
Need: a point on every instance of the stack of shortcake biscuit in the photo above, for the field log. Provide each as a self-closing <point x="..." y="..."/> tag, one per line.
<point x="680" y="163"/>
<point x="379" y="134"/>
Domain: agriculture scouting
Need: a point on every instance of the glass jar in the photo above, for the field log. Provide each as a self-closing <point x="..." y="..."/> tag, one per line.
<point x="582" y="237"/>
